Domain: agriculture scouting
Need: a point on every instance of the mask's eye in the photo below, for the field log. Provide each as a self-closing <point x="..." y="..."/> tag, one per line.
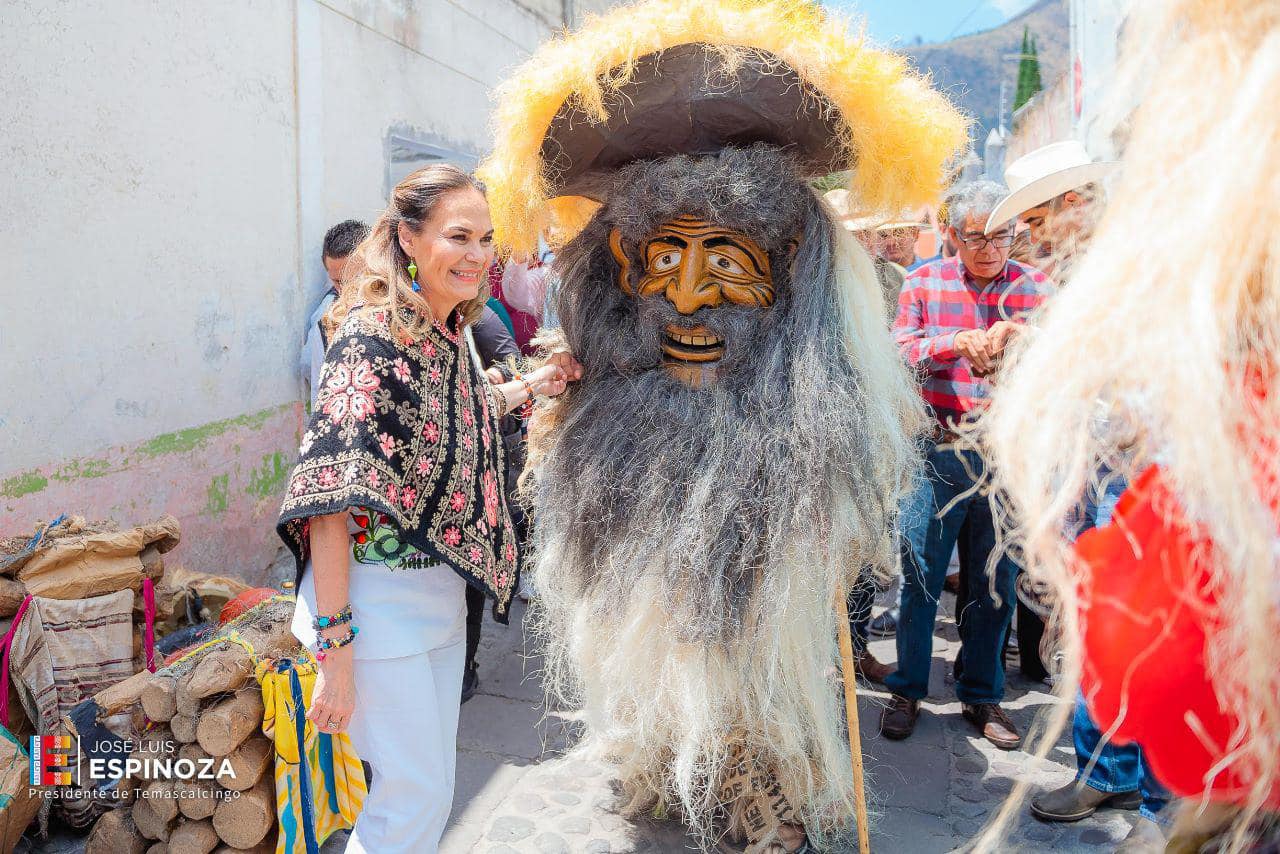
<point x="664" y="260"/>
<point x="724" y="264"/>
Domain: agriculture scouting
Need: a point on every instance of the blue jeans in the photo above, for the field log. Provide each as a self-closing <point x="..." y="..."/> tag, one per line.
<point x="930" y="529"/>
<point x="1117" y="768"/>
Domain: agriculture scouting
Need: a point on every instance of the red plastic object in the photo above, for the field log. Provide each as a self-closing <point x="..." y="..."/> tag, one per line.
<point x="244" y="601"/>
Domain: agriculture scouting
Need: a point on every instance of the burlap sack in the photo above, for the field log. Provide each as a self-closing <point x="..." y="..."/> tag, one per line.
<point x="17" y="807"/>
<point x="97" y="563"/>
<point x="65" y="651"/>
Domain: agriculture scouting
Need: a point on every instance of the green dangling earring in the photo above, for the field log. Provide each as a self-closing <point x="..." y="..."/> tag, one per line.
<point x="413" y="274"/>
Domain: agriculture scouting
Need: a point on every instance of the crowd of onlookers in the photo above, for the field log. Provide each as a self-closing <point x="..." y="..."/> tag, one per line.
<point x="998" y="251"/>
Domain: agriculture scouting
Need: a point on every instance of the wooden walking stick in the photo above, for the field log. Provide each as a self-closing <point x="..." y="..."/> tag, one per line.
<point x="851" y="717"/>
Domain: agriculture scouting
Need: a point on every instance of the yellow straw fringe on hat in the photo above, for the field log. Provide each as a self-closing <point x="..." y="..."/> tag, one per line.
<point x="898" y="130"/>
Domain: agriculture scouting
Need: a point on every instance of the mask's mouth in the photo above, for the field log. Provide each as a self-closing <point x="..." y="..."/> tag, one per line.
<point x="691" y="344"/>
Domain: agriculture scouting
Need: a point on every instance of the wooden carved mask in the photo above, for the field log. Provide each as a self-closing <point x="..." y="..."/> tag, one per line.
<point x="695" y="264"/>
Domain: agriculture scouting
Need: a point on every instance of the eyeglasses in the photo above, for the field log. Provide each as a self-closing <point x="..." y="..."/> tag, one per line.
<point x="977" y="242"/>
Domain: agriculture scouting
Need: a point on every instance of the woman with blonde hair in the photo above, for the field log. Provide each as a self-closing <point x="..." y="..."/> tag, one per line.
<point x="1164" y="352"/>
<point x="396" y="503"/>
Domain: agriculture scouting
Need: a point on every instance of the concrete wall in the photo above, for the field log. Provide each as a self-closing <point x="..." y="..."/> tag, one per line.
<point x="169" y="170"/>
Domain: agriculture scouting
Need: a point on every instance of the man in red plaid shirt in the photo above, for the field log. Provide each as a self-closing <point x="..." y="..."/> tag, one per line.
<point x="955" y="317"/>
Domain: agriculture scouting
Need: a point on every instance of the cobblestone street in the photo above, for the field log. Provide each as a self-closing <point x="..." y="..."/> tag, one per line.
<point x="517" y="792"/>
<point x="931" y="793"/>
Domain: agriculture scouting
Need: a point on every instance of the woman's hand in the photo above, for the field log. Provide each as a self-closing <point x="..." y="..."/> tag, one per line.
<point x="334" y="697"/>
<point x="570" y="368"/>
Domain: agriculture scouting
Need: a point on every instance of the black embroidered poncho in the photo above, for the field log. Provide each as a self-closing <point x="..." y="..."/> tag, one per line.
<point x="408" y="430"/>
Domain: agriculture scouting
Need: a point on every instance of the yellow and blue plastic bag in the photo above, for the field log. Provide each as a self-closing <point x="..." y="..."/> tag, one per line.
<point x="320" y="785"/>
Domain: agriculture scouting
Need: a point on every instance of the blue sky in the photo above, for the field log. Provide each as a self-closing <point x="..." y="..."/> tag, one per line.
<point x="900" y="21"/>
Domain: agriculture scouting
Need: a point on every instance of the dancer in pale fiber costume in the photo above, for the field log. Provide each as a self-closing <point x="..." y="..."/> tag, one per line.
<point x="1171" y="613"/>
<point x="736" y="450"/>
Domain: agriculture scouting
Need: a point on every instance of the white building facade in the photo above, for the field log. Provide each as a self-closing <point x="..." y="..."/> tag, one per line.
<point x="169" y="172"/>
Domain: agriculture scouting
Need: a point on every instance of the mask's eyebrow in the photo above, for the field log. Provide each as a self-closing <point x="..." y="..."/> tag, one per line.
<point x="667" y="238"/>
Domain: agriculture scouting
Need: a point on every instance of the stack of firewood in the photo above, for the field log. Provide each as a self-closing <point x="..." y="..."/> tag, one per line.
<point x="206" y="706"/>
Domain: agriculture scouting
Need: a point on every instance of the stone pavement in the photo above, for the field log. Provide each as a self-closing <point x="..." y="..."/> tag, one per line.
<point x="934" y="792"/>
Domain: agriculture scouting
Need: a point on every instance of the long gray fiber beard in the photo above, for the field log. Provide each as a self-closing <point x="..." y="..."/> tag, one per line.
<point x="715" y="484"/>
<point x="688" y="542"/>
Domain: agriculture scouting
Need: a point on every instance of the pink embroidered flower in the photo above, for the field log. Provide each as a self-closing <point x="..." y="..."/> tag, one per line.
<point x="457" y="501"/>
<point x="299" y="486"/>
<point x="489" y="483"/>
<point x="424" y="465"/>
<point x="348" y="392"/>
<point x="482" y="528"/>
<point x="510" y="551"/>
<point x="328" y="477"/>
<point x="409" y="497"/>
<point x="504" y="579"/>
<point x="428" y="349"/>
<point x="466" y="441"/>
<point x="467" y="417"/>
<point x="435" y="375"/>
<point x="401" y="369"/>
<point x="374" y="480"/>
<point x="466" y="472"/>
<point x="434" y="403"/>
<point x="431" y="432"/>
<point x="484" y="435"/>
<point x="387" y="444"/>
<point x="452" y="536"/>
<point x="475" y="554"/>
<point x="393" y="493"/>
<point x="352" y="472"/>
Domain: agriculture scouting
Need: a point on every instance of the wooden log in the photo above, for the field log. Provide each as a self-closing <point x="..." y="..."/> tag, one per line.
<point x="158" y="744"/>
<point x="11" y="595"/>
<point x="159" y="699"/>
<point x="196" y="798"/>
<point x="224" y="726"/>
<point x="193" y="837"/>
<point x="220" y="671"/>
<point x="115" y="833"/>
<point x="185" y="727"/>
<point x="249" y="762"/>
<point x="184" y="703"/>
<point x="161" y="792"/>
<point x="121" y="695"/>
<point x="266" y="846"/>
<point x="245" y="821"/>
<point x="148" y="821"/>
<point x="158" y="848"/>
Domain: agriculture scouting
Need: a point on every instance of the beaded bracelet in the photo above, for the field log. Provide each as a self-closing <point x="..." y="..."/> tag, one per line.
<point x="525" y="409"/>
<point x="325" y="644"/>
<point x="343" y="616"/>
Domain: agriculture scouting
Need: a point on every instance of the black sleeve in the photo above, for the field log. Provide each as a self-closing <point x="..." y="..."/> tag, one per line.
<point x="493" y="342"/>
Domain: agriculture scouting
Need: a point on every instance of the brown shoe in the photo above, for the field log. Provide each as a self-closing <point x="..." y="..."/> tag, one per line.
<point x="951" y="584"/>
<point x="1076" y="801"/>
<point x="871" y="669"/>
<point x="993" y="723"/>
<point x="898" y="720"/>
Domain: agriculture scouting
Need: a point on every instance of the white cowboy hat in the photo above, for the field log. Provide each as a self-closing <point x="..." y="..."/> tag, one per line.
<point x="1044" y="174"/>
<point x="906" y="219"/>
<point x="841" y="203"/>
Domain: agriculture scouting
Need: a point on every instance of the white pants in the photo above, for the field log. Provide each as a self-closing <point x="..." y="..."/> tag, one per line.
<point x="406" y="726"/>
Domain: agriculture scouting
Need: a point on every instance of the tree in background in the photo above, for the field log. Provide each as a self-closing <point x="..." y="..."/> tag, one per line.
<point x="1028" y="71"/>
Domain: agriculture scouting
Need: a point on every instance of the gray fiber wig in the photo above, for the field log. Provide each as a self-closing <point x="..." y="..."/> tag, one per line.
<point x="690" y="541"/>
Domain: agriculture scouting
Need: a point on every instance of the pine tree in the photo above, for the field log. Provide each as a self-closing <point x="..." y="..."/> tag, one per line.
<point x="1028" y="72"/>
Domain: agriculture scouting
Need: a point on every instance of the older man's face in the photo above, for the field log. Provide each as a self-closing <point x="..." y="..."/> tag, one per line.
<point x="899" y="244"/>
<point x="983" y="255"/>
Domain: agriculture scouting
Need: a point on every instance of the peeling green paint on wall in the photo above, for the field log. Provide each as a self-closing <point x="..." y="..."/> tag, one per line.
<point x="23" y="484"/>
<point x="216" y="502"/>
<point x="189" y="439"/>
<point x="76" y="469"/>
<point x="267" y="481"/>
